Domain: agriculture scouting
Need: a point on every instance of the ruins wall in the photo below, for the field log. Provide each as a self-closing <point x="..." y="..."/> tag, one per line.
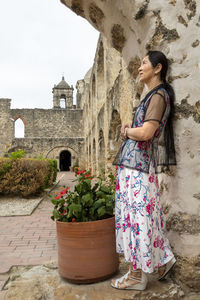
<point x="47" y="131"/>
<point x="132" y="28"/>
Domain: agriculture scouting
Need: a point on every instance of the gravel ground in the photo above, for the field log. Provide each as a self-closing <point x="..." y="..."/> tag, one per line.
<point x="16" y="206"/>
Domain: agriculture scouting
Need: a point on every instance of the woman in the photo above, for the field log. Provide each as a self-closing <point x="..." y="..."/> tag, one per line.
<point x="148" y="145"/>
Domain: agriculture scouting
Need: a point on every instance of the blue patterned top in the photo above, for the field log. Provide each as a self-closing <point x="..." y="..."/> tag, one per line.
<point x="139" y="154"/>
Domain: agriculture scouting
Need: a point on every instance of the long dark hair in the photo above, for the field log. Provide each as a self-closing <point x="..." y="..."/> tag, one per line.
<point x="157" y="57"/>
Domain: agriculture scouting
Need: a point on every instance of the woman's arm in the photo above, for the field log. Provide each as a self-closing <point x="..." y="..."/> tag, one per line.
<point x="143" y="133"/>
<point x="152" y="119"/>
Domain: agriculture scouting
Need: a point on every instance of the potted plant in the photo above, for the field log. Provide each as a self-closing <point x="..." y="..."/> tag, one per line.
<point x="86" y="229"/>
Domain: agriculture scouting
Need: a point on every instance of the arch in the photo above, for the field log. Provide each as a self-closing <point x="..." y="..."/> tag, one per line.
<point x="101" y="144"/>
<point x="54" y="153"/>
<point x="100" y="75"/>
<point x="64" y="160"/>
<point x="114" y="134"/>
<point x="90" y="150"/>
<point x="89" y="100"/>
<point x="93" y="86"/>
<point x="20" y="117"/>
<point x="94" y="156"/>
<point x="63" y="101"/>
<point x="19" y="128"/>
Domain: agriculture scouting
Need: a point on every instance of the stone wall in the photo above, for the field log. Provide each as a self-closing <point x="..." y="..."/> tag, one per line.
<point x="132" y="28"/>
<point x="6" y="124"/>
<point x="105" y="93"/>
<point x="48" y="132"/>
<point x="50" y="122"/>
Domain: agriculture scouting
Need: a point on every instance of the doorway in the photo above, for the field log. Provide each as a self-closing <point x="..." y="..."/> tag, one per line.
<point x="65" y="160"/>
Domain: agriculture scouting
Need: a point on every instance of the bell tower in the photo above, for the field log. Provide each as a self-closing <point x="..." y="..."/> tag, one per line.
<point x="62" y="95"/>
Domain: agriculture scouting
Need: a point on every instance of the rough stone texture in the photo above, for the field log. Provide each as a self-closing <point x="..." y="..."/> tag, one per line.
<point x="184" y="223"/>
<point x="44" y="283"/>
<point x="96" y="15"/>
<point x="182" y="21"/>
<point x="161" y="34"/>
<point x="142" y="10"/>
<point x="187" y="270"/>
<point x="77" y="7"/>
<point x="186" y="110"/>
<point x="133" y="66"/>
<point x="166" y="26"/>
<point x="118" y="38"/>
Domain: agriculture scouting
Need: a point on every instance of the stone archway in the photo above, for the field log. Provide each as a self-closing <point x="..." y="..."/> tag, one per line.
<point x="114" y="135"/>
<point x="54" y="153"/>
<point x="101" y="156"/>
<point x="64" y="160"/>
<point x="94" y="157"/>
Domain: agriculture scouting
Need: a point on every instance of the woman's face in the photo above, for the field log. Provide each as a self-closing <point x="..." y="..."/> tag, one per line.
<point x="146" y="70"/>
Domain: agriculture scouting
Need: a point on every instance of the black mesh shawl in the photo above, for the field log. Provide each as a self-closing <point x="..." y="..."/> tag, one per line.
<point x="158" y="109"/>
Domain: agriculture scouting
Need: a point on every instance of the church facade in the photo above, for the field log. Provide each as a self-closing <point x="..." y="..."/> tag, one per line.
<point x="52" y="133"/>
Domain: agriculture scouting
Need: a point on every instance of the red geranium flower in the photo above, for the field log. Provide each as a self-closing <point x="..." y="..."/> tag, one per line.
<point x="64" y="191"/>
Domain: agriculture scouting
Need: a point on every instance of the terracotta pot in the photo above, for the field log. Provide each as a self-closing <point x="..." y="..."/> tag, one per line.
<point x="87" y="250"/>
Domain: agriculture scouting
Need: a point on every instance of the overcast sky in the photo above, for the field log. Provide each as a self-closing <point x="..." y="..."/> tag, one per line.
<point x="39" y="41"/>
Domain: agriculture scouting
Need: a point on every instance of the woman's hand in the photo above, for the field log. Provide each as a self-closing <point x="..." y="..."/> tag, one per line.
<point x="124" y="126"/>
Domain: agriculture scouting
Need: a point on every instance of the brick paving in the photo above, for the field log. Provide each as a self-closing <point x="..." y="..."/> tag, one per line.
<point x="30" y="240"/>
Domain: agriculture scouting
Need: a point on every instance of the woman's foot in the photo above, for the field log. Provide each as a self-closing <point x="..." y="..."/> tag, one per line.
<point x="164" y="270"/>
<point x="132" y="280"/>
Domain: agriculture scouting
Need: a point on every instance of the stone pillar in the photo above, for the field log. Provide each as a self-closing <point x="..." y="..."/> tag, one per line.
<point x="56" y="99"/>
<point x="6" y="125"/>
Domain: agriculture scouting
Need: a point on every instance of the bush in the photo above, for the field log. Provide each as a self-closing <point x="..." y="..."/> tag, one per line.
<point x="26" y="176"/>
<point x="51" y="176"/>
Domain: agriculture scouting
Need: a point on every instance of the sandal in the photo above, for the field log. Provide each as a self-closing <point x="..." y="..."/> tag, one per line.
<point x="130" y="282"/>
<point x="166" y="268"/>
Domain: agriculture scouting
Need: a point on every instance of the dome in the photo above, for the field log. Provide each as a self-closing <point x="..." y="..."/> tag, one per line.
<point x="63" y="84"/>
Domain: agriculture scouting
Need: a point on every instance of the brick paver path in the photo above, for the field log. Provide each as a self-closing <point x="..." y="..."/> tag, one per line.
<point x="30" y="240"/>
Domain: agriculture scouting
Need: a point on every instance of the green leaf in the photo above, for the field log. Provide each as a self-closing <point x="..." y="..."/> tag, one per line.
<point x="92" y="211"/>
<point x="99" y="181"/>
<point x="75" y="209"/>
<point x="105" y="189"/>
<point x="100" y="194"/>
<point x="88" y="199"/>
<point x="70" y="214"/>
<point x="110" y="197"/>
<point x="99" y="203"/>
<point x="88" y="181"/>
<point x="112" y="177"/>
<point x="78" y="188"/>
<point x="54" y="201"/>
<point x="101" y="211"/>
<point x="56" y="215"/>
<point x="109" y="204"/>
<point x="110" y="211"/>
<point x="61" y="201"/>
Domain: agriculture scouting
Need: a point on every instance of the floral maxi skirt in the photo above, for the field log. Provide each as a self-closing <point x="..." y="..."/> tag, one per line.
<point x="139" y="223"/>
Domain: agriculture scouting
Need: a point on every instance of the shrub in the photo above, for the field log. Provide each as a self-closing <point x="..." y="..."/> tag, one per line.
<point x="17" y="154"/>
<point x="26" y="176"/>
